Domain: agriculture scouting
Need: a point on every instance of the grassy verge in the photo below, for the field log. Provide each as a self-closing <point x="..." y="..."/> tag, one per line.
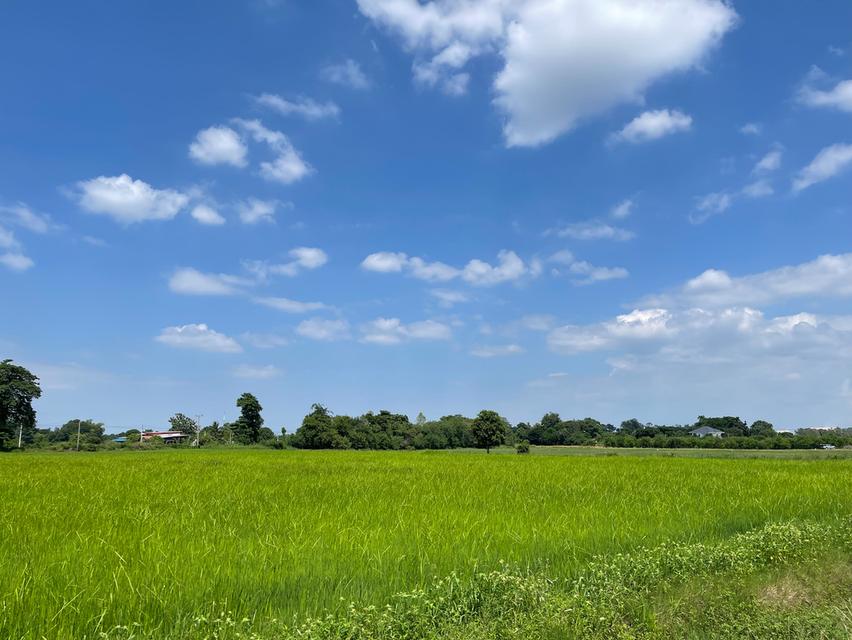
<point x="782" y="581"/>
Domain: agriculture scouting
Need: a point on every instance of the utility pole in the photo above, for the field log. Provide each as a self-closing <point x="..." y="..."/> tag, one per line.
<point x="78" y="434"/>
<point x="20" y="434"/>
<point x="198" y="417"/>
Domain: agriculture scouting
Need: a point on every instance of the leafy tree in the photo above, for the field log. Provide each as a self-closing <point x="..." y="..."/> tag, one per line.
<point x="761" y="428"/>
<point x="420" y="420"/>
<point x="184" y="424"/>
<point x="630" y="427"/>
<point x="248" y="425"/>
<point x="213" y="432"/>
<point x="317" y="430"/>
<point x="91" y="434"/>
<point x="18" y="388"/>
<point x="732" y="426"/>
<point x="489" y="430"/>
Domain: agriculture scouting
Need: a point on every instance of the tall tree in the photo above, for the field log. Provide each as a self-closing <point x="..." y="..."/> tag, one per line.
<point x="247" y="427"/>
<point x="761" y="428"/>
<point x="317" y="430"/>
<point x="184" y="424"/>
<point x="489" y="430"/>
<point x="18" y="388"/>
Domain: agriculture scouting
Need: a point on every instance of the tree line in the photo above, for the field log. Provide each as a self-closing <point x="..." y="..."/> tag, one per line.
<point x="384" y="430"/>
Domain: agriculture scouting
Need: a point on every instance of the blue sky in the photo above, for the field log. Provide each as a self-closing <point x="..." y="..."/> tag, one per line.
<point x="602" y="208"/>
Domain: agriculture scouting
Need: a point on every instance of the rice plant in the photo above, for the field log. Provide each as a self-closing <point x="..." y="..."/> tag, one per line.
<point x="152" y="541"/>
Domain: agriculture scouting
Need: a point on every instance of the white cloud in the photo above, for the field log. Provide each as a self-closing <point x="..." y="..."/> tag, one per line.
<point x="385" y="262"/>
<point x="594" y="230"/>
<point x="303" y="258"/>
<point x="622" y="210"/>
<point x="592" y="274"/>
<point x="23" y="216"/>
<point x="7" y="239"/>
<point x="305" y="107"/>
<point x="190" y="281"/>
<point x="566" y="61"/>
<point x="770" y="162"/>
<point x="717" y="203"/>
<point x="538" y="322"/>
<point x="495" y="351"/>
<point x="94" y="242"/>
<point x="751" y="129"/>
<point x="639" y="324"/>
<point x="290" y="306"/>
<point x="711" y="205"/>
<point x="309" y="257"/>
<point x="758" y="189"/>
<point x="589" y="272"/>
<point x="431" y="271"/>
<point x="652" y="125"/>
<point x="563" y="257"/>
<point x="563" y="61"/>
<point x="254" y="210"/>
<point x="324" y="330"/>
<point x="264" y="340"/>
<point x="839" y="97"/>
<point x="442" y="70"/>
<point x="12" y="257"/>
<point x="257" y="372"/>
<point x="679" y="343"/>
<point x="218" y="145"/>
<point x="348" y="74"/>
<point x="509" y="268"/>
<point x="16" y="261"/>
<point x="198" y="337"/>
<point x="127" y="200"/>
<point x="288" y="166"/>
<point x="476" y="272"/>
<point x="828" y="163"/>
<point x="447" y="297"/>
<point x="391" y="331"/>
<point x="207" y="215"/>
<point x="828" y="276"/>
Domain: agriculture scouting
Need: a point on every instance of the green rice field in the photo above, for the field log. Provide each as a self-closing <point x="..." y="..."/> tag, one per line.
<point x="154" y="544"/>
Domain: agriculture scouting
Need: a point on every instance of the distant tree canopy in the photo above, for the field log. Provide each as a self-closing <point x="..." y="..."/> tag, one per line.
<point x="184" y="424"/>
<point x="552" y="429"/>
<point x="18" y="388"/>
<point x="321" y="429"/>
<point x="489" y="429"/>
<point x="248" y="425"/>
<point x="761" y="428"/>
<point x="729" y="424"/>
<point x="91" y="435"/>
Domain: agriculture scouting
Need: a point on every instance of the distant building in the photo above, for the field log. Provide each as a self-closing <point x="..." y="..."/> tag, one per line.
<point x="703" y="432"/>
<point x="169" y="437"/>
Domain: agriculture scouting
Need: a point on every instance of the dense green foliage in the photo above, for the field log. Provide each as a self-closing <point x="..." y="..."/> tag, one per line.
<point x="18" y="389"/>
<point x="489" y="429"/>
<point x="166" y="538"/>
<point x="321" y="429"/>
<point x="184" y="424"/>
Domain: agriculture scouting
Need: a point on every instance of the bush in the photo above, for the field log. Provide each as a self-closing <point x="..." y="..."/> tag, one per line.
<point x="523" y="447"/>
